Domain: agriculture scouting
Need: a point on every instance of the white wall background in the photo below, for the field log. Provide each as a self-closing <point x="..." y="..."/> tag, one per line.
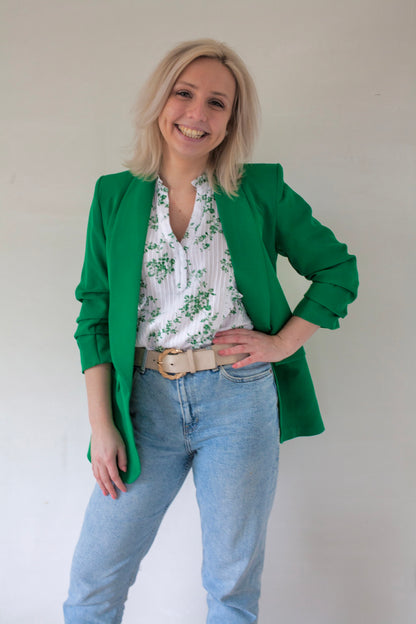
<point x="337" y="84"/>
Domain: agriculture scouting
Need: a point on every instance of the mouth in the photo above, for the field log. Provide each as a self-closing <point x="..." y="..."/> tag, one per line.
<point x="190" y="133"/>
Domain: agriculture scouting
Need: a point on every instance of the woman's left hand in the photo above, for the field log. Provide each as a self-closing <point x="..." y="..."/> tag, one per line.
<point x="260" y="347"/>
<point x="264" y="347"/>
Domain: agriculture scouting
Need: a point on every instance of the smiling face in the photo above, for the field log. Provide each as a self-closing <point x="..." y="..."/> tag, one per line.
<point x="195" y="117"/>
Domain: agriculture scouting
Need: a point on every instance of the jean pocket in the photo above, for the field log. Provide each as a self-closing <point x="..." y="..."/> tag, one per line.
<point x="251" y="372"/>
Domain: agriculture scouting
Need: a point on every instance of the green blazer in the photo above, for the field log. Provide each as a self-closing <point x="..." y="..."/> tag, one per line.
<point x="267" y="218"/>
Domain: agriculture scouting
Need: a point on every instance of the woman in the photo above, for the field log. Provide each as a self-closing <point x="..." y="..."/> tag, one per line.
<point x="187" y="342"/>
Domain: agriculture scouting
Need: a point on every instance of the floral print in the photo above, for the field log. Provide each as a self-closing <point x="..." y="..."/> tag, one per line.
<point x="187" y="288"/>
<point x="160" y="267"/>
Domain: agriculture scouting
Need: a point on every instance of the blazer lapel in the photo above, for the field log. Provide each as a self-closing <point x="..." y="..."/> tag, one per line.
<point x="126" y="249"/>
<point x="252" y="267"/>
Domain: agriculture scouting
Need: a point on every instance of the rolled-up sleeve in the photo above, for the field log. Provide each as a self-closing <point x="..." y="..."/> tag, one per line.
<point x="93" y="293"/>
<point x="315" y="253"/>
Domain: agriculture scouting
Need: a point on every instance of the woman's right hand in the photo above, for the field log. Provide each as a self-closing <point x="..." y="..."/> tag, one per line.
<point x="108" y="452"/>
<point x="108" y="456"/>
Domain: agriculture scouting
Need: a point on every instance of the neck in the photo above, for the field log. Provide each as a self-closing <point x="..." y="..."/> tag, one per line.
<point x="178" y="173"/>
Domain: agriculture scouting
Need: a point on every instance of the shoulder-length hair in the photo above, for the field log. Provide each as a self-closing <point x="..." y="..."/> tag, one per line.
<point x="224" y="168"/>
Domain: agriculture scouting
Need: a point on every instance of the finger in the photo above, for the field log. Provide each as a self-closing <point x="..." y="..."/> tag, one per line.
<point x="109" y="486"/>
<point x="233" y="330"/>
<point x="232" y="334"/>
<point x="116" y="479"/>
<point x="102" y="487"/>
<point x="122" y="458"/>
<point x="248" y="360"/>
<point x="99" y="481"/>
<point x="236" y="349"/>
<point x="249" y="341"/>
<point x="107" y="481"/>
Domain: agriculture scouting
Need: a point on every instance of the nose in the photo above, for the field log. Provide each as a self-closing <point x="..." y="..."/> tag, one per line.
<point x="197" y="109"/>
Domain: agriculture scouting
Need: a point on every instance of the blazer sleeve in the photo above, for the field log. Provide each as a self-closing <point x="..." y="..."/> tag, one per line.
<point x="315" y="253"/>
<point x="92" y="333"/>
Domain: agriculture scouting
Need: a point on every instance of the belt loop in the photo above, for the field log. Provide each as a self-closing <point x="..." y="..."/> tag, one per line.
<point x="142" y="365"/>
<point x="191" y="360"/>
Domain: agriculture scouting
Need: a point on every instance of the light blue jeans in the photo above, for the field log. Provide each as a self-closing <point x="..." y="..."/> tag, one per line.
<point x="223" y="424"/>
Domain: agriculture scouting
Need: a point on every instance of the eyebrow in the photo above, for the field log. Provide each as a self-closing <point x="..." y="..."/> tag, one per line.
<point x="189" y="84"/>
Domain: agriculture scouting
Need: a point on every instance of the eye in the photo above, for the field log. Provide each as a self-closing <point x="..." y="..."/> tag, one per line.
<point x="217" y="103"/>
<point x="183" y="93"/>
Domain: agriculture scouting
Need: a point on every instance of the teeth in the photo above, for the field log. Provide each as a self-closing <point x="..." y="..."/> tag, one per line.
<point x="192" y="134"/>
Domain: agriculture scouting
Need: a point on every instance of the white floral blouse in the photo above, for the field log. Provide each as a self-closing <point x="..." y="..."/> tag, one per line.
<point x="187" y="289"/>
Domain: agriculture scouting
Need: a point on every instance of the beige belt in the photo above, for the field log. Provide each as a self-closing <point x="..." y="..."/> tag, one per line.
<point x="175" y="363"/>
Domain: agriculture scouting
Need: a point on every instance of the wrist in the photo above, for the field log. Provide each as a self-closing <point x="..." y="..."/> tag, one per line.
<point x="283" y="345"/>
<point x="101" y="421"/>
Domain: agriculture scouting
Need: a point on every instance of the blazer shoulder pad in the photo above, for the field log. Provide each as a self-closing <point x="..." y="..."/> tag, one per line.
<point x="264" y="180"/>
<point x="113" y="183"/>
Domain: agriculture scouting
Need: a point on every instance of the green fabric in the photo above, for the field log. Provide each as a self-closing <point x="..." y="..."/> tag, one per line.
<point x="266" y="219"/>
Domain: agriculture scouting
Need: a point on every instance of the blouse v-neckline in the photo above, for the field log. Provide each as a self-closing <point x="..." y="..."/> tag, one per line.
<point x="197" y="217"/>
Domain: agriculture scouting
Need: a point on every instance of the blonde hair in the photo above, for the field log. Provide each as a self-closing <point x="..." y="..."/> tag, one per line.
<point x="224" y="168"/>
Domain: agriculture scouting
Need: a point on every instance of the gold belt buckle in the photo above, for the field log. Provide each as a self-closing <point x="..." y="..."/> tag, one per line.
<point x="160" y="364"/>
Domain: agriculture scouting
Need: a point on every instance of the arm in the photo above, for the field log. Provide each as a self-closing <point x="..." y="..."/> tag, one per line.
<point x="108" y="453"/>
<point x="93" y="292"/>
<point x="315" y="253"/>
<point x="107" y="448"/>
